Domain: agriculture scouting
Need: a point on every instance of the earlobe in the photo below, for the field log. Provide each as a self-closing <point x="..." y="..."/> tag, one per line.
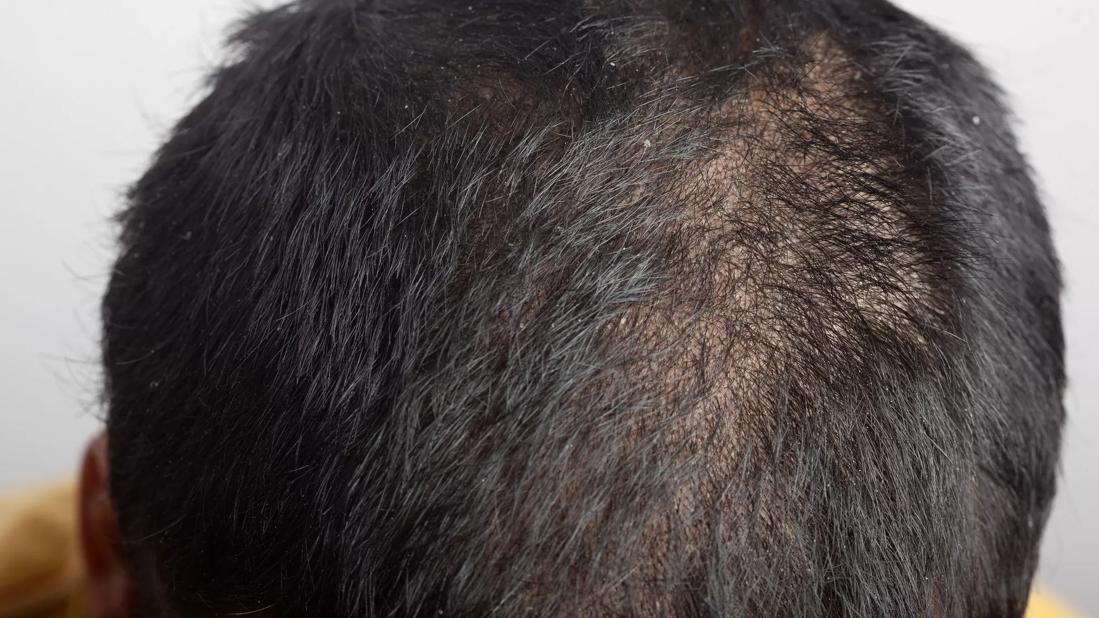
<point x="108" y="582"/>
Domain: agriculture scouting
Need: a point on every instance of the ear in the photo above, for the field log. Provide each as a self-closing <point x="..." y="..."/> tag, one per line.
<point x="108" y="582"/>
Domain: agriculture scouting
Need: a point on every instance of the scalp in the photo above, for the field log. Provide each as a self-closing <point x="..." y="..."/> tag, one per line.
<point x="583" y="308"/>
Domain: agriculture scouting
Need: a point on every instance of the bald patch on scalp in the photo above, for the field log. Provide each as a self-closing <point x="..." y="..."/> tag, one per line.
<point x="797" y="235"/>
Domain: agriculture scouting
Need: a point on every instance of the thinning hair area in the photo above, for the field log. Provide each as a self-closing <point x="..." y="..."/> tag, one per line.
<point x="585" y="308"/>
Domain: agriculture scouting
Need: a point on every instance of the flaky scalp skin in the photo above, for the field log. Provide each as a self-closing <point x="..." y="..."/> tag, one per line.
<point x="601" y="308"/>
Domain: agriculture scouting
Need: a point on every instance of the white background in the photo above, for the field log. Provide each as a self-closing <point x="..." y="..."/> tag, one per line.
<point x="88" y="88"/>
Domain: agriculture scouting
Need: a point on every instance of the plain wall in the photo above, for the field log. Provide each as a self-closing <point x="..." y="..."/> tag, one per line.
<point x="88" y="88"/>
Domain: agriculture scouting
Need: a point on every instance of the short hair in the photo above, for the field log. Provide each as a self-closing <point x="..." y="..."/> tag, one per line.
<point x="600" y="307"/>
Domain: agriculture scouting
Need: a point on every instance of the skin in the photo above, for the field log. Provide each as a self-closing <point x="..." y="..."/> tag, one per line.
<point x="108" y="584"/>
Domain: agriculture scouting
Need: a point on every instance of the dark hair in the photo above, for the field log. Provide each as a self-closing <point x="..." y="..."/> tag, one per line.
<point x="602" y="307"/>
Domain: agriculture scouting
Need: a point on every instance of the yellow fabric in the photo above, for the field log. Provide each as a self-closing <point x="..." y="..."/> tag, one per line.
<point x="40" y="573"/>
<point x="1042" y="606"/>
<point x="40" y="568"/>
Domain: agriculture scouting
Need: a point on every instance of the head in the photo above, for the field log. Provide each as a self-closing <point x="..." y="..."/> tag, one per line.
<point x="599" y="308"/>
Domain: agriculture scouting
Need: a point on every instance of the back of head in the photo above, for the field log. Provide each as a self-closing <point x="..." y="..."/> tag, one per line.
<point x="597" y="307"/>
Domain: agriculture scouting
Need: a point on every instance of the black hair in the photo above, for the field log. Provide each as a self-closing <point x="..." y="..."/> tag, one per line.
<point x="586" y="307"/>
